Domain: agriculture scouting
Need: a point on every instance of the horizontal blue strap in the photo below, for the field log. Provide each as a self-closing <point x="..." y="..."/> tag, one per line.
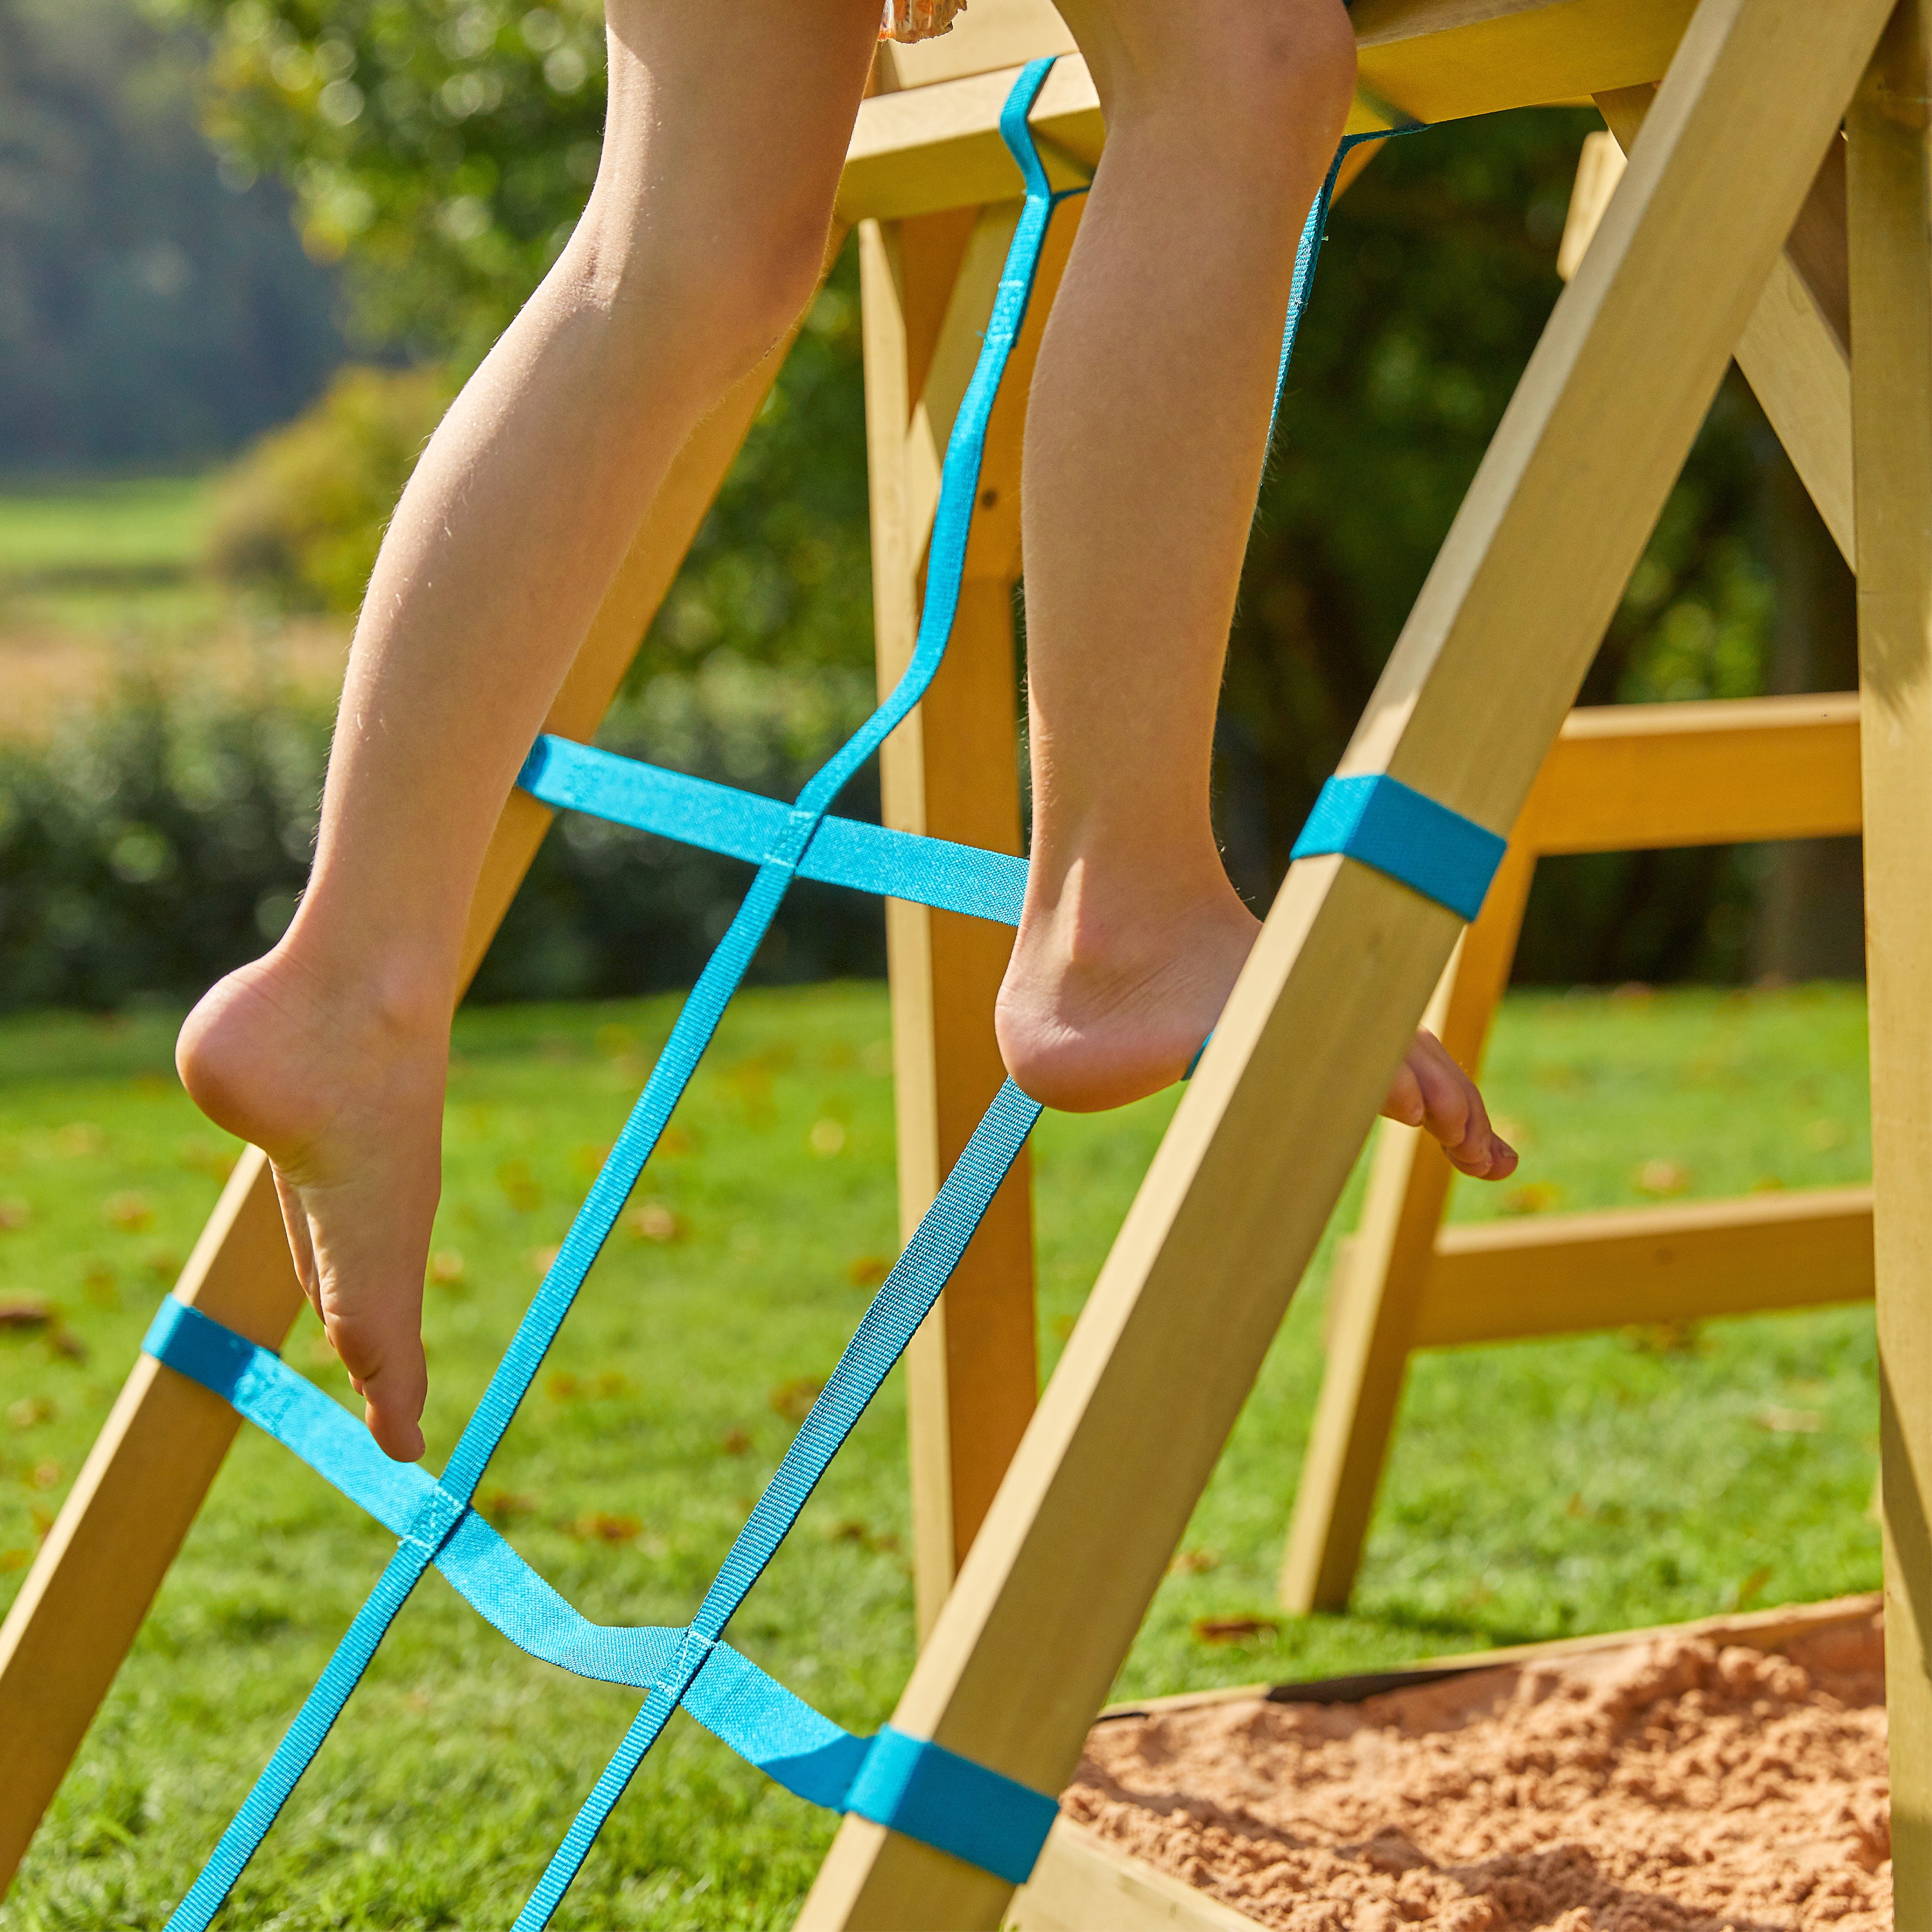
<point x="1381" y="822"/>
<point x="928" y="1792"/>
<point x="742" y="825"/>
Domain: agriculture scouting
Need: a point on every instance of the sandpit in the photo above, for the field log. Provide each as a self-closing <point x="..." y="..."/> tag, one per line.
<point x="1682" y="1783"/>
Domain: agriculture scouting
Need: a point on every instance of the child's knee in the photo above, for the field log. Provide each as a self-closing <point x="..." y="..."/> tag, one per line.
<point x="1283" y="66"/>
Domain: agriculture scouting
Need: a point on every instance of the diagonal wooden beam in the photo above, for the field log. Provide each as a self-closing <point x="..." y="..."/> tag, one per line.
<point x="1128" y="1430"/>
<point x="163" y="1442"/>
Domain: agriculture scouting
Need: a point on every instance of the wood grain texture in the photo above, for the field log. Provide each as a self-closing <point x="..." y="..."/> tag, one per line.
<point x="163" y="1443"/>
<point x="950" y="770"/>
<point x="1502" y="1281"/>
<point x="1048" y="1600"/>
<point x="938" y="146"/>
<point x="1890" y="193"/>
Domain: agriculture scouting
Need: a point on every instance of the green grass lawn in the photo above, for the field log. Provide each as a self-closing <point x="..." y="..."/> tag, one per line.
<point x="106" y="556"/>
<point x="1535" y="1490"/>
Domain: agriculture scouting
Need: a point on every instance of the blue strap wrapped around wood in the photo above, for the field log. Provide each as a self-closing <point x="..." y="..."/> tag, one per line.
<point x="1379" y="821"/>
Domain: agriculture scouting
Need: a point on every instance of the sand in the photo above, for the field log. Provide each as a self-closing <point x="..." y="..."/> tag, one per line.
<point x="1671" y="1787"/>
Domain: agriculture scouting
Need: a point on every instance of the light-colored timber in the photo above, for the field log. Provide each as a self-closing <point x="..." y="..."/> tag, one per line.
<point x="1889" y="184"/>
<point x="1056" y="1584"/>
<point x="145" y="1477"/>
<point x="1557" y="1274"/>
<point x="950" y="771"/>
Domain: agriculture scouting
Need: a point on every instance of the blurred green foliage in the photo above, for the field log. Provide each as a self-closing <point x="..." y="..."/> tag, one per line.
<point x="160" y="841"/>
<point x="300" y="516"/>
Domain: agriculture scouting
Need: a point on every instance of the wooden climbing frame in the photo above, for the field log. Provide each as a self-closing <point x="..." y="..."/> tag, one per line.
<point x="1083" y="1504"/>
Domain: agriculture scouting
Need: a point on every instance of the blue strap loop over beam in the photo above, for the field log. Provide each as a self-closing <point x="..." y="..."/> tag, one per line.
<point x="1381" y="822"/>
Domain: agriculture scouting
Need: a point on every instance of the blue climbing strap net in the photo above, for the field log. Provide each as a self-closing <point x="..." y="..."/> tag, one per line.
<point x="912" y="1785"/>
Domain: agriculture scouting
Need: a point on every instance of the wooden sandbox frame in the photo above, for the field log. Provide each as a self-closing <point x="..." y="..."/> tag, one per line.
<point x="1077" y="1505"/>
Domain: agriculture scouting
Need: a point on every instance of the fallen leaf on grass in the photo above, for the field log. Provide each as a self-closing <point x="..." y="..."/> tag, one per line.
<point x="853" y="1531"/>
<point x="869" y="1270"/>
<point x="503" y="1507"/>
<point x="1752" y="1588"/>
<point x="519" y="1185"/>
<point x="65" y="1342"/>
<point x="25" y="1311"/>
<point x="655" y="1222"/>
<point x="1234" y="1629"/>
<point x="78" y="1138"/>
<point x="541" y="1260"/>
<point x="162" y="1263"/>
<point x="1194" y="1563"/>
<point x="15" y="1559"/>
<point x="1533" y="1197"/>
<point x="1665" y="1338"/>
<point x="129" y="1212"/>
<point x="45" y="1474"/>
<point x="445" y="1267"/>
<point x="735" y="1442"/>
<point x="1661" y="1178"/>
<point x="675" y="1142"/>
<point x="14" y="1215"/>
<point x="606" y="1526"/>
<point x="29" y="1410"/>
<point x="793" y="1400"/>
<point x="1788" y="1421"/>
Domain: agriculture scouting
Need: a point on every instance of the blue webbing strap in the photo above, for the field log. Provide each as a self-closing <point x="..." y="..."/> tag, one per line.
<point x="954" y="1802"/>
<point x="742" y="825"/>
<point x="696" y="1024"/>
<point x="1379" y="821"/>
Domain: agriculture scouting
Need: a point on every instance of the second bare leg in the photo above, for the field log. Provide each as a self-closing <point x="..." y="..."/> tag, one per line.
<point x="1147" y="432"/>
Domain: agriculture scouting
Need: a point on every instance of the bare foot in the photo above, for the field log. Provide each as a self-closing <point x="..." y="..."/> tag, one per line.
<point x="1103" y="1005"/>
<point x="344" y="1094"/>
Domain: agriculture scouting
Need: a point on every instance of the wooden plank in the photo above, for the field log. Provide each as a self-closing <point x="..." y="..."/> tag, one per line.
<point x="1503" y="1281"/>
<point x="939" y="146"/>
<point x="951" y="770"/>
<point x="151" y="1465"/>
<point x="1795" y="350"/>
<point x="990" y="34"/>
<point x="1600" y="167"/>
<point x="1376" y="1298"/>
<point x="1627" y="777"/>
<point x="1889" y="182"/>
<point x="1083" y="1884"/>
<point x="1260" y="1147"/>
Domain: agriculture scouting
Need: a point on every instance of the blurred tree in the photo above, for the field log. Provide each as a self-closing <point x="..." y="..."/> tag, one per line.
<point x="153" y="308"/>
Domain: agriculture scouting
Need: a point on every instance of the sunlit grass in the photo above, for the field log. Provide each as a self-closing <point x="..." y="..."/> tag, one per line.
<point x="1598" y="1483"/>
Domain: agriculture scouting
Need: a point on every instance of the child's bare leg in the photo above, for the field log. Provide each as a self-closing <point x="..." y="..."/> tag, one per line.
<point x="703" y="238"/>
<point x="1146" y="436"/>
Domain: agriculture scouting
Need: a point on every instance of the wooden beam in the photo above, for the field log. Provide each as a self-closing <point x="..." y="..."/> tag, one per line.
<point x="1084" y="1884"/>
<point x="990" y="34"/>
<point x="1628" y="778"/>
<point x="950" y="770"/>
<point x="1890" y="187"/>
<point x="1261" y="1146"/>
<point x="939" y="146"/>
<point x="1795" y="350"/>
<point x="1505" y="1281"/>
<point x="150" y="1468"/>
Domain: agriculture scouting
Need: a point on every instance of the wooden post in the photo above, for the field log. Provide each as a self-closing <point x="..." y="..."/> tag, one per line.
<point x="144" y="1481"/>
<point x="1166" y="1350"/>
<point x="1891" y="220"/>
<point x="951" y="770"/>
